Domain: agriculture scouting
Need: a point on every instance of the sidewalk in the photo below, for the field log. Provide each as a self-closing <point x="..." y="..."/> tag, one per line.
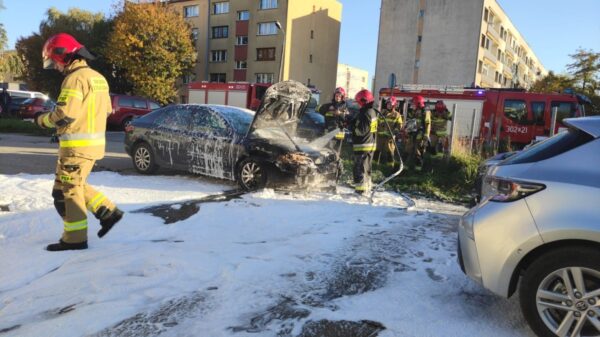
<point x="36" y="155"/>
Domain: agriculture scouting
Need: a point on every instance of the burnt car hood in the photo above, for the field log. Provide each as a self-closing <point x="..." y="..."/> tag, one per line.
<point x="282" y="107"/>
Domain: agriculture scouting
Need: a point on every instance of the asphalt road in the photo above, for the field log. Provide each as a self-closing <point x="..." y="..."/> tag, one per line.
<point x="36" y="155"/>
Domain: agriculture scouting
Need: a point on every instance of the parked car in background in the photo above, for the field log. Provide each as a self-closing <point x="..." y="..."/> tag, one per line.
<point x="538" y="230"/>
<point x="126" y="107"/>
<point x="253" y="149"/>
<point x="31" y="106"/>
<point x="15" y="106"/>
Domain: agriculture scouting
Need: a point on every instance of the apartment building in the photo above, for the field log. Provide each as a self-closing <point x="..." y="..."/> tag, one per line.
<point x="462" y="43"/>
<point x="352" y="79"/>
<point x="245" y="40"/>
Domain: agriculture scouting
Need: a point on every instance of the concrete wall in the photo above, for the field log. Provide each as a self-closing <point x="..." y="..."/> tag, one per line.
<point x="447" y="53"/>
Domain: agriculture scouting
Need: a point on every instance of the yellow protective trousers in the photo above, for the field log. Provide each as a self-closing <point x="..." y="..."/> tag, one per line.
<point x="73" y="197"/>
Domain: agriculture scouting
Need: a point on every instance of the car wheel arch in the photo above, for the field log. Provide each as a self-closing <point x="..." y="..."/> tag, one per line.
<point x="539" y="251"/>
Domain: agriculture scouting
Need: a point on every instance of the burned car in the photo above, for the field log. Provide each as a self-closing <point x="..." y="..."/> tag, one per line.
<point x="254" y="149"/>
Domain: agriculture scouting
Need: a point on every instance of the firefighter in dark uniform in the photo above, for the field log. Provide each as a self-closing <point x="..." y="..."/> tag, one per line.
<point x="386" y="144"/>
<point x="419" y="131"/>
<point x="80" y="122"/>
<point x="439" y="127"/>
<point x="335" y="114"/>
<point x="364" y="140"/>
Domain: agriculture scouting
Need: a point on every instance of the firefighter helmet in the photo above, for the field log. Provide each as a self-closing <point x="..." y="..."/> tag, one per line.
<point x="364" y="97"/>
<point x="341" y="91"/>
<point x="440" y="106"/>
<point x="61" y="49"/>
<point x="419" y="102"/>
<point x="392" y="101"/>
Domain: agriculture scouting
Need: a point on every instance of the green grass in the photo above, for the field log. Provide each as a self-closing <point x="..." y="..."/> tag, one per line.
<point x="451" y="181"/>
<point x="14" y="125"/>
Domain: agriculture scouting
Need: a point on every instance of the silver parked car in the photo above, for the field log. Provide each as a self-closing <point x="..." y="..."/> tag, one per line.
<point x="537" y="230"/>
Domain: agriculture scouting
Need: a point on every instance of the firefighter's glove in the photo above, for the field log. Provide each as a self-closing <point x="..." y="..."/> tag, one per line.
<point x="37" y="118"/>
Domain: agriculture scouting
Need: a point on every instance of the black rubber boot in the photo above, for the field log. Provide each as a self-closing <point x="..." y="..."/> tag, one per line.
<point x="61" y="245"/>
<point x="108" y="221"/>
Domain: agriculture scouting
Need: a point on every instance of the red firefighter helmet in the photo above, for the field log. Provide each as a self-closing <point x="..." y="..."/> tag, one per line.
<point x="392" y="100"/>
<point x="60" y="49"/>
<point x="364" y="97"/>
<point x="341" y="91"/>
<point x="440" y="106"/>
<point x="419" y="102"/>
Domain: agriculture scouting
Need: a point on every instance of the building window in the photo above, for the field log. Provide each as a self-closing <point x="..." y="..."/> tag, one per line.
<point x="499" y="54"/>
<point x="485" y="15"/>
<point x="265" y="54"/>
<point x="267" y="28"/>
<point x="310" y="58"/>
<point x="241" y="40"/>
<point x="218" y="55"/>
<point x="487" y="43"/>
<point x="195" y="35"/>
<point x="220" y="7"/>
<point x="421" y="13"/>
<point x="264" y="78"/>
<point x="241" y="65"/>
<point x="480" y="67"/>
<point x="190" y="11"/>
<point x="417" y="64"/>
<point x="243" y="16"/>
<point x="220" y="32"/>
<point x="419" y="39"/>
<point x="268" y="4"/>
<point x="484" y="70"/>
<point x="218" y="77"/>
<point x="312" y="34"/>
<point x="482" y="40"/>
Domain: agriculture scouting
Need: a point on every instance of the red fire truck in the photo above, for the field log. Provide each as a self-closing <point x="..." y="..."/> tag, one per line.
<point x="495" y="113"/>
<point x="240" y="94"/>
<point x="243" y="95"/>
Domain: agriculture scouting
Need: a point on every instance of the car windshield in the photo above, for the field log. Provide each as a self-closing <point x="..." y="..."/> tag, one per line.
<point x="550" y="147"/>
<point x="240" y="119"/>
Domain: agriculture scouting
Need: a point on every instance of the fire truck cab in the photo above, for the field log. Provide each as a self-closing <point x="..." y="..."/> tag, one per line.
<point x="494" y="114"/>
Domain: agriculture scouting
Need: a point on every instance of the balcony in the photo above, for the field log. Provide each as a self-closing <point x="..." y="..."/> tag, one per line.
<point x="241" y="53"/>
<point x="239" y="75"/>
<point x="241" y="28"/>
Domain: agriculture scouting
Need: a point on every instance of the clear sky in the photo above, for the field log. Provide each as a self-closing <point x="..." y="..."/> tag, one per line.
<point x="553" y="28"/>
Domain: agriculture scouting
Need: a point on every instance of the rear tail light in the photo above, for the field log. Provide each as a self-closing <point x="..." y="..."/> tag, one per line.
<point x="29" y="108"/>
<point x="506" y="190"/>
<point x="129" y="128"/>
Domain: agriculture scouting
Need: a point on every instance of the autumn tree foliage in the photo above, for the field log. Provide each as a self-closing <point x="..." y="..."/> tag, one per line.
<point x="153" y="45"/>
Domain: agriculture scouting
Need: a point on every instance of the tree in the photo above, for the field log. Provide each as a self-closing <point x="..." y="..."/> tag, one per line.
<point x="11" y="66"/>
<point x="153" y="44"/>
<point x="553" y="83"/>
<point x="3" y="38"/>
<point x="585" y="66"/>
<point x="90" y="29"/>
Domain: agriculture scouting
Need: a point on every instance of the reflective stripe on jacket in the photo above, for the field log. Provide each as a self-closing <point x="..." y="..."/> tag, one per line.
<point x="364" y="130"/>
<point x="81" y="112"/>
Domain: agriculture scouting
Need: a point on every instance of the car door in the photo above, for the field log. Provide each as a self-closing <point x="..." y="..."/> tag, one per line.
<point x="210" y="148"/>
<point x="170" y="136"/>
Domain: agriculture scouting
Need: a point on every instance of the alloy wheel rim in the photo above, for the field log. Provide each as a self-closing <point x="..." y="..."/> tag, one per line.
<point x="568" y="302"/>
<point x="251" y="173"/>
<point x="142" y="158"/>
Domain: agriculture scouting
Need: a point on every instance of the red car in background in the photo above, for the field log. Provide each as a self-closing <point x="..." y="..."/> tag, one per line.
<point x="125" y="108"/>
<point x="31" y="106"/>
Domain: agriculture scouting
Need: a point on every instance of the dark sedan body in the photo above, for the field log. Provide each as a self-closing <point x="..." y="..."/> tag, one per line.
<point x="254" y="149"/>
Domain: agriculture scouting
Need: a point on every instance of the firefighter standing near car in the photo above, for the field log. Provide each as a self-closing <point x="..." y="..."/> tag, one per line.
<point x="386" y="144"/>
<point x="364" y="140"/>
<point x="439" y="126"/>
<point x="80" y="122"/>
<point x="419" y="136"/>
<point x="335" y="114"/>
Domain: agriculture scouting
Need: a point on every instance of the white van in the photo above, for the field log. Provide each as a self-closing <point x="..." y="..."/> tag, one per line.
<point x="26" y="94"/>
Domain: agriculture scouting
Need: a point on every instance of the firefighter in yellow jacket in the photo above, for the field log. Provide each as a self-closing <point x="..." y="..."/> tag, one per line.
<point x="80" y="122"/>
<point x="386" y="141"/>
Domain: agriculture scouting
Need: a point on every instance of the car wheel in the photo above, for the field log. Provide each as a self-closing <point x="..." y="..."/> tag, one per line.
<point x="143" y="159"/>
<point x="560" y="293"/>
<point x="251" y="175"/>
